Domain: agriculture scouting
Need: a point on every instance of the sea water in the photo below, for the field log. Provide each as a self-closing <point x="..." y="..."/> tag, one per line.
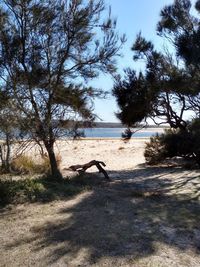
<point x="117" y="132"/>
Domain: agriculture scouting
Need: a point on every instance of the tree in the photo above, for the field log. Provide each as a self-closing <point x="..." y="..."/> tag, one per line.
<point x="169" y="87"/>
<point x="5" y="132"/>
<point x="49" y="50"/>
<point x="10" y="130"/>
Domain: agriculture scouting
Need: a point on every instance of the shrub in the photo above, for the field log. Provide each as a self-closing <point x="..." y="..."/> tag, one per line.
<point x="40" y="189"/>
<point x="19" y="191"/>
<point x="177" y="143"/>
<point x="25" y="164"/>
<point x="182" y="143"/>
<point x="154" y="151"/>
<point x="194" y="129"/>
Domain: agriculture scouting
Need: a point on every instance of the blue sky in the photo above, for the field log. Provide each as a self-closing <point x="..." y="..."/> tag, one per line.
<point x="132" y="16"/>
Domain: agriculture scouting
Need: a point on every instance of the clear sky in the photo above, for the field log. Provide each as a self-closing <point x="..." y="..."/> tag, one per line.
<point x="132" y="16"/>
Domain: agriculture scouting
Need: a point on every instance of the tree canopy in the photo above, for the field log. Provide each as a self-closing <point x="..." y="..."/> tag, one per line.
<point x="49" y="50"/>
<point x="169" y="86"/>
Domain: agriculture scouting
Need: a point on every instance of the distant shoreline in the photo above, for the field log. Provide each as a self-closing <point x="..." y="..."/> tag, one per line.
<point x="117" y="132"/>
<point x="109" y="139"/>
<point x="119" y="125"/>
<point x="102" y="133"/>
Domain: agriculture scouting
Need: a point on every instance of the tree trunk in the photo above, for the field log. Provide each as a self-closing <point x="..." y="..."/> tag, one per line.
<point x="5" y="153"/>
<point x="55" y="172"/>
<point x="8" y="153"/>
<point x="2" y="157"/>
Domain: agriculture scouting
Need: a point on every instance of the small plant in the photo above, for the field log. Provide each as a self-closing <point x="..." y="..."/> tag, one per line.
<point x="25" y="164"/>
<point x="19" y="191"/>
<point x="154" y="151"/>
<point x="39" y="189"/>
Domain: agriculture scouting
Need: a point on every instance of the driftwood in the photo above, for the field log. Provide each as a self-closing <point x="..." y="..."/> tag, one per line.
<point x="84" y="167"/>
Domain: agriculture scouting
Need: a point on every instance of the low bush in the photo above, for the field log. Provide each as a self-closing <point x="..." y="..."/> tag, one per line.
<point x="40" y="189"/>
<point x="154" y="151"/>
<point x="25" y="164"/>
<point x="173" y="143"/>
<point x="177" y="143"/>
<point x="194" y="130"/>
<point x="19" y="191"/>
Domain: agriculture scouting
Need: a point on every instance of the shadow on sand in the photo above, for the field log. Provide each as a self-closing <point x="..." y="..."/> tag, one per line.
<point x="114" y="221"/>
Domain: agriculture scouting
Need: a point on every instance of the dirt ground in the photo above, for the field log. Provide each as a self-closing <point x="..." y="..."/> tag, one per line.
<point x="144" y="217"/>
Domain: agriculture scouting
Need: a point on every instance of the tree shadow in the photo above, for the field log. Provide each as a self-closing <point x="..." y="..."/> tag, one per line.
<point x="113" y="221"/>
<point x="160" y="178"/>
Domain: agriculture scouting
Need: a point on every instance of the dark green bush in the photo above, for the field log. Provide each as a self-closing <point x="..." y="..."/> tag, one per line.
<point x="181" y="143"/>
<point x="177" y="143"/>
<point x="18" y="191"/>
<point x="194" y="130"/>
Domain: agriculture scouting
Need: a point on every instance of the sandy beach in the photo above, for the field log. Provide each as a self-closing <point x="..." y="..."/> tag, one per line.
<point x="116" y="154"/>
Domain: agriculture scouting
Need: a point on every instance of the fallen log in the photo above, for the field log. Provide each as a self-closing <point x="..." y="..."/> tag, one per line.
<point x="84" y="167"/>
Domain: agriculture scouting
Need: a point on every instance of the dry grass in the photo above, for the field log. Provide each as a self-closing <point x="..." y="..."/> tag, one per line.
<point x="25" y="164"/>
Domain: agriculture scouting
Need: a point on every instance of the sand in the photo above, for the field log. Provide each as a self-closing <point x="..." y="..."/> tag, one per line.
<point x="119" y="223"/>
<point x="117" y="154"/>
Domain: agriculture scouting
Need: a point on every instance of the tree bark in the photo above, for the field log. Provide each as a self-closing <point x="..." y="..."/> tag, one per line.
<point x="5" y="153"/>
<point x="8" y="153"/>
<point x="55" y="172"/>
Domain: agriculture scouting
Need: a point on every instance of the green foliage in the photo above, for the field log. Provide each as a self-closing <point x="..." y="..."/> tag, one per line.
<point x="33" y="190"/>
<point x="194" y="130"/>
<point x="18" y="191"/>
<point x="174" y="16"/>
<point x="169" y="85"/>
<point x="177" y="143"/>
<point x="133" y="98"/>
<point x="141" y="45"/>
<point x="49" y="50"/>
<point x="173" y="143"/>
